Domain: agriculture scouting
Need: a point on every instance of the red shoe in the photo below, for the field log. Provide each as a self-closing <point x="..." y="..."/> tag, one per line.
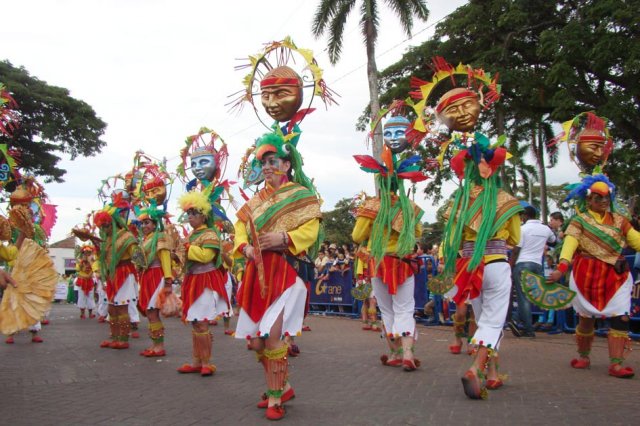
<point x="82" y="316"/>
<point x="293" y="350"/>
<point x="494" y="384"/>
<point x="92" y="316"/>
<point x="152" y="354"/>
<point x="106" y="344"/>
<point x="229" y="333"/>
<point x="9" y="340"/>
<point x="101" y="319"/>
<point x="44" y="322"/>
<point x="472" y="385"/>
<point x="622" y="372"/>
<point x="288" y="395"/>
<point x="306" y="328"/>
<point x="410" y="364"/>
<point x="119" y="345"/>
<point x="390" y="362"/>
<point x="36" y="339"/>
<point x="135" y="335"/>
<point x="455" y="349"/>
<point x="580" y="363"/>
<point x="186" y="368"/>
<point x="367" y="327"/>
<point x="275" y="413"/>
<point x="207" y="370"/>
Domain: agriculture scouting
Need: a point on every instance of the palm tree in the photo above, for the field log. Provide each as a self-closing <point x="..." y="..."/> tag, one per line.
<point x="331" y="16"/>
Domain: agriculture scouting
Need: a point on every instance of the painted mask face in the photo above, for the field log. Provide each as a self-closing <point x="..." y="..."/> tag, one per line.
<point x="158" y="193"/>
<point x="395" y="138"/>
<point x="590" y="153"/>
<point x="460" y="115"/>
<point x="281" y="102"/>
<point x="203" y="166"/>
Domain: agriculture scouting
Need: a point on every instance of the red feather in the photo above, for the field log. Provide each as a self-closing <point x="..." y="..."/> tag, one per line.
<point x="368" y="162"/>
<point x="298" y="116"/>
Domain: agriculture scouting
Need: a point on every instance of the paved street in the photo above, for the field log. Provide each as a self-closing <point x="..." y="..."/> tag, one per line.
<point x="338" y="380"/>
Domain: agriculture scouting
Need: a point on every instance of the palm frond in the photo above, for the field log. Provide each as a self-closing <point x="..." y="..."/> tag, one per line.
<point x="324" y="14"/>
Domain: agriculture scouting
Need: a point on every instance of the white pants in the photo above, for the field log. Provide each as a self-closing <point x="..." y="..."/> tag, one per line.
<point x="86" y="301"/>
<point x="292" y="302"/>
<point x="397" y="309"/>
<point x="619" y="304"/>
<point x="491" y="306"/>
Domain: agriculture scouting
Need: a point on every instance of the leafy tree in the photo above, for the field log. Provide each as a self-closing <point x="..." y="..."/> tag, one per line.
<point x="555" y="60"/>
<point x="51" y="122"/>
<point x="338" y="223"/>
<point x="331" y="16"/>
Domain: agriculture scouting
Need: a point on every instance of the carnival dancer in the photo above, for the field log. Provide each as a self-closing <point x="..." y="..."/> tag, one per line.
<point x="25" y="307"/>
<point x="156" y="274"/>
<point x="116" y="269"/>
<point x="274" y="231"/>
<point x="389" y="225"/>
<point x="85" y="281"/>
<point x="276" y="239"/>
<point x="600" y="274"/>
<point x="482" y="219"/>
<point x="203" y="293"/>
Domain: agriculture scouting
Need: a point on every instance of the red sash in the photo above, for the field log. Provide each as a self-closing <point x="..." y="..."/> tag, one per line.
<point x="469" y="283"/>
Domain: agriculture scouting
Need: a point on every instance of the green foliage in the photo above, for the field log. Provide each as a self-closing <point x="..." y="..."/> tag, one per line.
<point x="555" y="60"/>
<point x="338" y="223"/>
<point x="51" y="122"/>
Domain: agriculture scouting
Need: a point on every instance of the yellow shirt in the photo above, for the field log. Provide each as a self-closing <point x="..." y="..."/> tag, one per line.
<point x="570" y="243"/>
<point x="300" y="238"/>
<point x="201" y="254"/>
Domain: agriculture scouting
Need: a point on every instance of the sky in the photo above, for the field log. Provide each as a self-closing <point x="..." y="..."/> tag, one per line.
<point x="156" y="71"/>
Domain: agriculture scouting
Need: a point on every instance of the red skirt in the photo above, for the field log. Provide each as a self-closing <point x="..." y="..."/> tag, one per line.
<point x="392" y="271"/>
<point x="123" y="270"/>
<point x="596" y="280"/>
<point x="149" y="280"/>
<point x="279" y="276"/>
<point x="86" y="284"/>
<point x="194" y="285"/>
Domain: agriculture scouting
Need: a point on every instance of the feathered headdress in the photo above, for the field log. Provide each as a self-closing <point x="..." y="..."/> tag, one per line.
<point x="280" y="145"/>
<point x="596" y="183"/>
<point x="152" y="212"/>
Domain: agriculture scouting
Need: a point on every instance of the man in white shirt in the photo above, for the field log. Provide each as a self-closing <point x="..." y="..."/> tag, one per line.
<point x="528" y="255"/>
